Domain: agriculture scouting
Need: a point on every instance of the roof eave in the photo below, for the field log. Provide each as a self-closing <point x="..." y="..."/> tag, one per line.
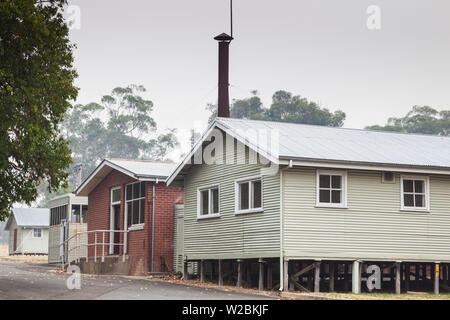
<point x="329" y="163"/>
<point x="34" y="226"/>
<point x="187" y="158"/>
<point x="220" y="125"/>
<point x="114" y="166"/>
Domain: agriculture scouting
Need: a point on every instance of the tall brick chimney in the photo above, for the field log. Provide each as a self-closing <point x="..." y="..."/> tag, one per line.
<point x="223" y="100"/>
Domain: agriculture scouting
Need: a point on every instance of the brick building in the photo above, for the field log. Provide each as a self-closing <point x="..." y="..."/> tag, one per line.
<point x="125" y="195"/>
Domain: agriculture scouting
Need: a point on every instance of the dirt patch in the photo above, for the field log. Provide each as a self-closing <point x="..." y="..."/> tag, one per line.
<point x="3" y="250"/>
<point x="210" y="285"/>
<point x="387" y="296"/>
<point x="306" y="296"/>
<point x="4" y="255"/>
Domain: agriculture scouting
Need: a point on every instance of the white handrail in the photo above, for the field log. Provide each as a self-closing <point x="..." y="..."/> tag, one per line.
<point x="79" y="244"/>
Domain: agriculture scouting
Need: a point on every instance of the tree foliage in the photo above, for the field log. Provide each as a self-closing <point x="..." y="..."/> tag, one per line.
<point x="36" y="86"/>
<point x="285" y="107"/>
<point x="421" y="119"/>
<point x="120" y="126"/>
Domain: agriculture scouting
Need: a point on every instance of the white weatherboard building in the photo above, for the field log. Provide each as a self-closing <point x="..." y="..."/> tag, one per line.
<point x="68" y="216"/>
<point x="28" y="231"/>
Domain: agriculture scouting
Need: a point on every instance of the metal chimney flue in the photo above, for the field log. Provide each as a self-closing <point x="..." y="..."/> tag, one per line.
<point x="223" y="99"/>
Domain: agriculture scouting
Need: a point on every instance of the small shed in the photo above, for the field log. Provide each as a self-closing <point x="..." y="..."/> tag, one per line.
<point x="28" y="231"/>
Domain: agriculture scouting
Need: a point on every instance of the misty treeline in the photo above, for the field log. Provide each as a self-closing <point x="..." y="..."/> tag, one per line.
<point x="287" y="107"/>
<point x="421" y="119"/>
<point x="119" y="126"/>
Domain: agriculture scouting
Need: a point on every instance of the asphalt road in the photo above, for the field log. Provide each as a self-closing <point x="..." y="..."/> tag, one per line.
<point x="20" y="280"/>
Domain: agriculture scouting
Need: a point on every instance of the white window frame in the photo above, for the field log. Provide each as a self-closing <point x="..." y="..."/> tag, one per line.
<point x="343" y="175"/>
<point x="137" y="226"/>
<point x="250" y="190"/>
<point x="39" y="233"/>
<point x="426" y="184"/>
<point x="111" y="217"/>
<point x="199" y="204"/>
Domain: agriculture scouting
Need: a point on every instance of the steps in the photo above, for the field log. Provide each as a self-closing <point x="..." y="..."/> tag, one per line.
<point x="113" y="265"/>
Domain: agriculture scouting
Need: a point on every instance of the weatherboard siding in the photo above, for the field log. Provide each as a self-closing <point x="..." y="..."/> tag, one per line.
<point x="371" y="228"/>
<point x="230" y="236"/>
<point x="32" y="245"/>
<point x="26" y="244"/>
<point x="53" y="243"/>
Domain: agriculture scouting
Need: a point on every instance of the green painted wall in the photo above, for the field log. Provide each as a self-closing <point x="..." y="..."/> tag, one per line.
<point x="372" y="228"/>
<point x="253" y="235"/>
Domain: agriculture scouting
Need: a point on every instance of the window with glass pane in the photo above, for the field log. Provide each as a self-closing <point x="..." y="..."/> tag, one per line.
<point x="135" y="203"/>
<point x="414" y="193"/>
<point x="130" y="212"/>
<point x="116" y="195"/>
<point x="37" y="233"/>
<point x="64" y="210"/>
<point x="256" y="194"/>
<point x="52" y="216"/>
<point x="330" y="189"/>
<point x="142" y="188"/>
<point x="214" y="200"/>
<point x="76" y="213"/>
<point x="204" y="195"/>
<point x="136" y="190"/>
<point x="250" y="194"/>
<point x="84" y="214"/>
<point x="141" y="209"/>
<point x="209" y="201"/>
<point x="129" y="191"/>
<point x="136" y="211"/>
<point x="244" y="196"/>
<point x="57" y="214"/>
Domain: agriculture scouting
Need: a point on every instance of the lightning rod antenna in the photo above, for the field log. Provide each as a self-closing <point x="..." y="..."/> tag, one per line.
<point x="231" y="17"/>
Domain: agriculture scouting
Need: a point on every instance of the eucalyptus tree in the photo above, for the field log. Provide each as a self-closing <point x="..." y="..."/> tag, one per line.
<point x="36" y="87"/>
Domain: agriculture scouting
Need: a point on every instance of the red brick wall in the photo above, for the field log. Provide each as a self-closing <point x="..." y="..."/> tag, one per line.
<point x="139" y="241"/>
<point x="165" y="199"/>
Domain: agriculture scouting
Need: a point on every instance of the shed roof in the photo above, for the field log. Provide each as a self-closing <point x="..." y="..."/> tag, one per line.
<point x="143" y="170"/>
<point x="29" y="217"/>
<point x="300" y="142"/>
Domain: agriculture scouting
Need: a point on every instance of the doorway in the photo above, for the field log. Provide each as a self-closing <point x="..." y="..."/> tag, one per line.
<point x="15" y="240"/>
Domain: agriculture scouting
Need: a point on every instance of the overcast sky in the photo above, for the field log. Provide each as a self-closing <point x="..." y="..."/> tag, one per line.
<point x="320" y="49"/>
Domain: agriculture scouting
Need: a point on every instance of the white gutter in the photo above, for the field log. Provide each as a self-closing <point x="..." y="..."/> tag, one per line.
<point x="357" y="166"/>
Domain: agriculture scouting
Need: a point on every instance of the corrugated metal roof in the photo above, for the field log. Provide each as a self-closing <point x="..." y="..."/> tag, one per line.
<point x="137" y="169"/>
<point x="145" y="168"/>
<point x="299" y="141"/>
<point x="30" y="217"/>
